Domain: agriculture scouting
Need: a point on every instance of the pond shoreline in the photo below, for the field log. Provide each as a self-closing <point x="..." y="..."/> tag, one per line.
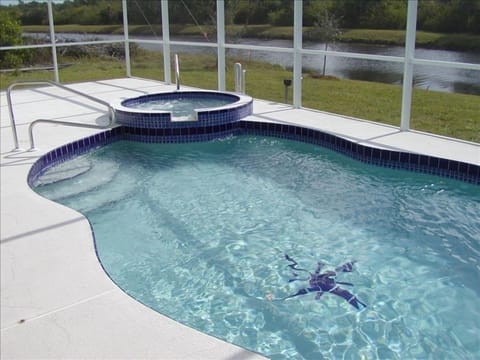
<point x="391" y="73"/>
<point x="427" y="40"/>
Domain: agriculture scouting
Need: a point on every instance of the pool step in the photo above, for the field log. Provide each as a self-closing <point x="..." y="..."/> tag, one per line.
<point x="120" y="187"/>
<point x="65" y="171"/>
<point x="74" y="178"/>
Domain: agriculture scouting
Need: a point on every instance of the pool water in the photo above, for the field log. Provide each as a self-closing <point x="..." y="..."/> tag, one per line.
<point x="199" y="232"/>
<point x="182" y="108"/>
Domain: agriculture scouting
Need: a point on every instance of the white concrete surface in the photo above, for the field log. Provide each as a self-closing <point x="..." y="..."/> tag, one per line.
<point x="369" y="133"/>
<point x="56" y="300"/>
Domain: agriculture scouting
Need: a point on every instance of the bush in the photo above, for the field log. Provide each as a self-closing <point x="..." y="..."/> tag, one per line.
<point x="281" y="17"/>
<point x="10" y="35"/>
<point x="116" y="51"/>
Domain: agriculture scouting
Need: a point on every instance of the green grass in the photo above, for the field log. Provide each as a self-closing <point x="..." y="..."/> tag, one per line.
<point x="462" y="42"/>
<point x="391" y="37"/>
<point x="84" y="70"/>
<point x="454" y="115"/>
<point x="74" y="28"/>
<point x="365" y="100"/>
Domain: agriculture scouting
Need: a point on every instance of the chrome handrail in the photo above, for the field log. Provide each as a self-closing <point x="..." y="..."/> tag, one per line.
<point x="238" y="77"/>
<point x="177" y="72"/>
<point x="65" y="123"/>
<point x="49" y="82"/>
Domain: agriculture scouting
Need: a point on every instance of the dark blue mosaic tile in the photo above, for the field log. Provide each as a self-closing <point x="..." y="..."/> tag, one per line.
<point x="463" y="168"/>
<point x="395" y="156"/>
<point x="380" y="157"/>
<point x="385" y="155"/>
<point x="424" y="160"/>
<point x="443" y="164"/>
<point x="474" y="171"/>
<point x="404" y="158"/>
<point x="162" y="119"/>
<point x="453" y="165"/>
<point x="367" y="152"/>
<point x="414" y="159"/>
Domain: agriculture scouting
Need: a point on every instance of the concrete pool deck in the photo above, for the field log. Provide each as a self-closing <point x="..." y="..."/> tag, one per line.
<point x="56" y="300"/>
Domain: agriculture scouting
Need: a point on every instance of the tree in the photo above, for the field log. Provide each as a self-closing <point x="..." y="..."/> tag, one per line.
<point x="10" y="35"/>
<point x="281" y="13"/>
<point x="385" y="14"/>
<point x="449" y="16"/>
<point x="326" y="29"/>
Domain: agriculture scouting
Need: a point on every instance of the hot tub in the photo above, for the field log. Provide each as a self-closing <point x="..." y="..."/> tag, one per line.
<point x="182" y="109"/>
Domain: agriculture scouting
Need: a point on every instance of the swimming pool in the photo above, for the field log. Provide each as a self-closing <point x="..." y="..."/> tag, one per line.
<point x="209" y="225"/>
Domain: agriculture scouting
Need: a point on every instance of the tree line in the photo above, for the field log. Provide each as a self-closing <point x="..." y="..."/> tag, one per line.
<point x="444" y="16"/>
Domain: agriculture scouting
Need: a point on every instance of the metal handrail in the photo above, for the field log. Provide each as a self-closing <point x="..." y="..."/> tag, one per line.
<point x="59" y="122"/>
<point x="239" y="78"/>
<point x="111" y="117"/>
<point x="177" y="72"/>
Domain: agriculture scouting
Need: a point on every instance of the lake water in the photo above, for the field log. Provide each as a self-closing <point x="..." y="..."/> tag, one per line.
<point x="426" y="77"/>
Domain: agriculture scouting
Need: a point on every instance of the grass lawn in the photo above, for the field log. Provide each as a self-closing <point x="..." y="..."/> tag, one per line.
<point x="454" y="115"/>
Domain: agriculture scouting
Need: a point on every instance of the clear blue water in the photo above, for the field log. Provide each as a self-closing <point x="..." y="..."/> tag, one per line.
<point x="182" y="108"/>
<point x="199" y="231"/>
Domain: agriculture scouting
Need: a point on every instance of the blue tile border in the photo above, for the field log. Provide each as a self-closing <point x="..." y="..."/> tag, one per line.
<point x="71" y="150"/>
<point x="462" y="171"/>
<point x="381" y="157"/>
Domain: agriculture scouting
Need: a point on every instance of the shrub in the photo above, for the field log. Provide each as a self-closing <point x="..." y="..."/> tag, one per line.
<point x="10" y="35"/>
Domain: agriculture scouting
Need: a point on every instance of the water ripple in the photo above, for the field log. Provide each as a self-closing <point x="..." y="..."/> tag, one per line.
<point x="199" y="232"/>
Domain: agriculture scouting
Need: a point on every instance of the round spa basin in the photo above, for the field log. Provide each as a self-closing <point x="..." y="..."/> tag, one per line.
<point x="182" y="109"/>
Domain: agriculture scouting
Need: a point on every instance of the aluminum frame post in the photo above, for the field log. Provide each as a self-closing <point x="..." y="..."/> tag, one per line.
<point x="221" y="44"/>
<point x="297" y="53"/>
<point x="407" y="89"/>
<point x="51" y="27"/>
<point x="167" y="75"/>
<point x="126" y="39"/>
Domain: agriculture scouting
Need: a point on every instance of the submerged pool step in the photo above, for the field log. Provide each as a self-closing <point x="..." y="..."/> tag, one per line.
<point x="64" y="171"/>
<point x="74" y="178"/>
<point x="101" y="196"/>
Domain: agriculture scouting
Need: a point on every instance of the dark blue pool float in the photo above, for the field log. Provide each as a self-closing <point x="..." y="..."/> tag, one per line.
<point x="324" y="282"/>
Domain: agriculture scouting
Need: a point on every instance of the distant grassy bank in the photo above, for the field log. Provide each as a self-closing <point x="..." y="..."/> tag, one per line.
<point x="460" y="42"/>
<point x="454" y="115"/>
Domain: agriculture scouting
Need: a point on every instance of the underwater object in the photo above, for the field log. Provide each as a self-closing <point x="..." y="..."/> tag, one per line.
<point x="324" y="282"/>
